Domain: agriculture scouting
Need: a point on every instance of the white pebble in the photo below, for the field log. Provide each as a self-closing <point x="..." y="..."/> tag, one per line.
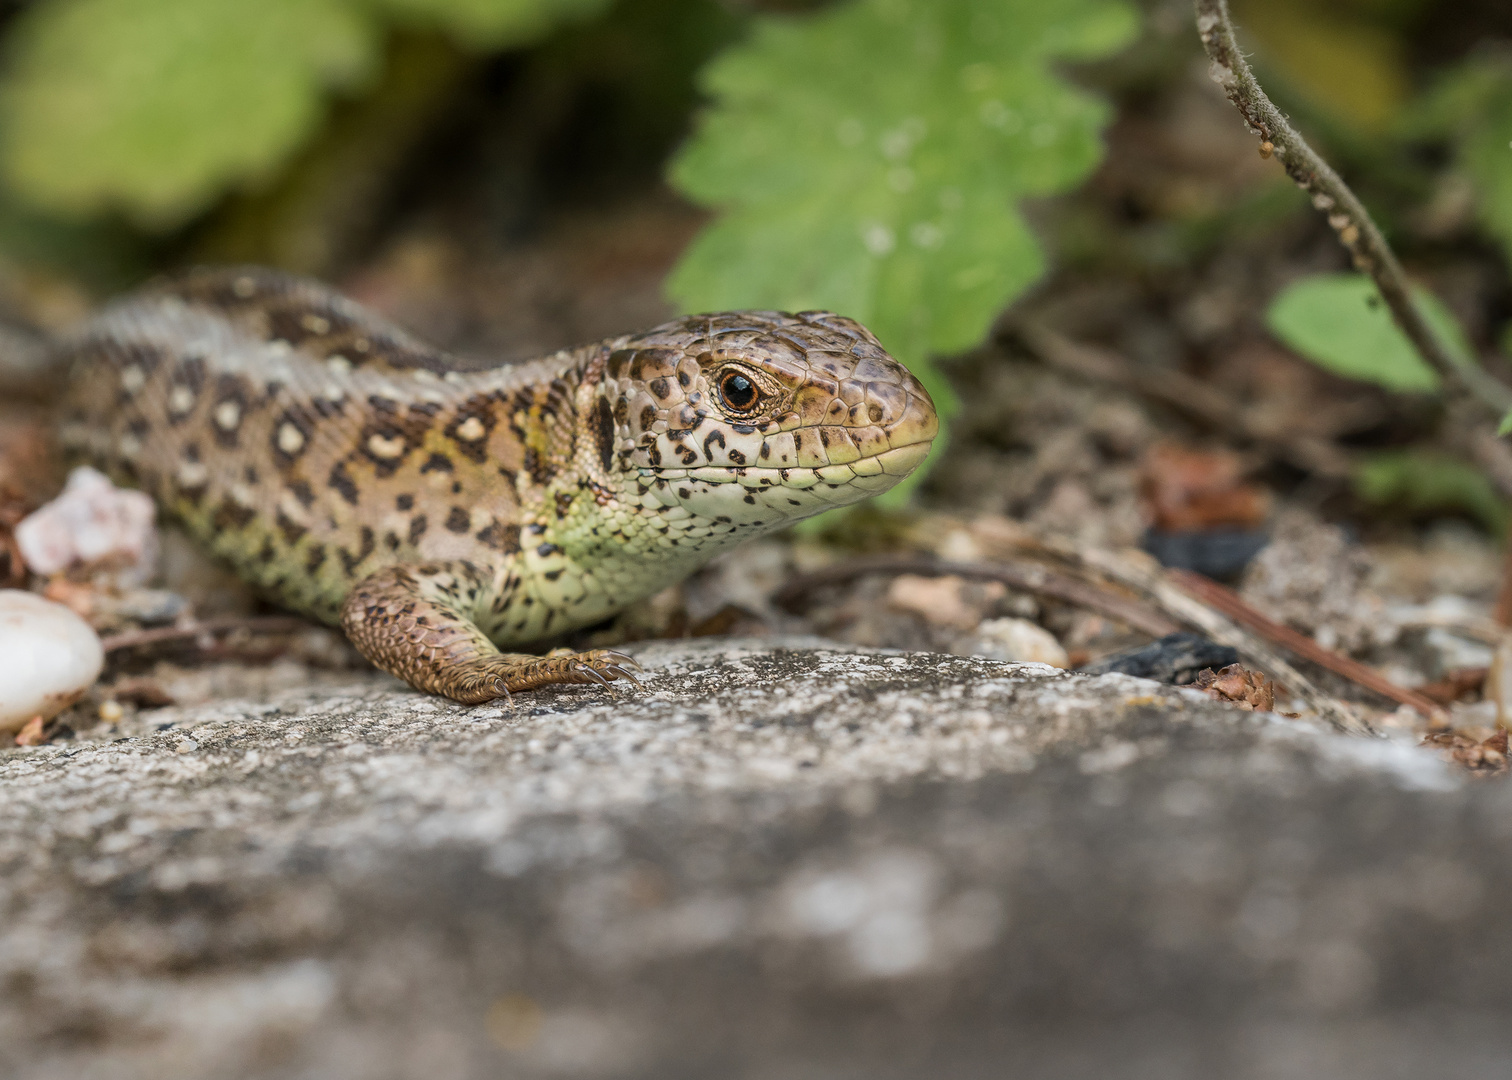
<point x="49" y="658"/>
<point x="92" y="520"/>
<point x="1020" y="641"/>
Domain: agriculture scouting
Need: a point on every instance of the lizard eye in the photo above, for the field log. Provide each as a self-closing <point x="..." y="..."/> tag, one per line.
<point x="738" y="392"/>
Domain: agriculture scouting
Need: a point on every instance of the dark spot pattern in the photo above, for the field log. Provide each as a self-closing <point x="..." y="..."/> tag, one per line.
<point x="502" y="538"/>
<point x="351" y="560"/>
<point x="292" y="530"/>
<point x="603" y="432"/>
<point x="231" y="515"/>
<point x="342" y="483"/>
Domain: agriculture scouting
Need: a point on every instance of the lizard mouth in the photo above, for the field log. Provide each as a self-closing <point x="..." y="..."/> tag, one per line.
<point x="792" y="491"/>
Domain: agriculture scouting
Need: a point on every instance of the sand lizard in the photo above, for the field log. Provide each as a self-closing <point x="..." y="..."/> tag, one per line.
<point x="439" y="511"/>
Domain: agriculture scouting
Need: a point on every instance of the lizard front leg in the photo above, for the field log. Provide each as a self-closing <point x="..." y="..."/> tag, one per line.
<point x="415" y="621"/>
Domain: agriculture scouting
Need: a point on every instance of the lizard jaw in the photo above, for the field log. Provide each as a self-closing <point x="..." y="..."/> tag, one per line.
<point x="772" y="498"/>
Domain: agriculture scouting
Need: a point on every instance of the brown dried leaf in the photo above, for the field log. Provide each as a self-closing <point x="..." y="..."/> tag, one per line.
<point x="31" y="734"/>
<point x="1238" y="685"/>
<point x="1486" y="756"/>
<point x="1189" y="490"/>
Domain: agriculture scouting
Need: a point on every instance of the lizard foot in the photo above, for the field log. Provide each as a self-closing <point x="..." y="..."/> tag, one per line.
<point x="489" y="678"/>
<point x="408" y="621"/>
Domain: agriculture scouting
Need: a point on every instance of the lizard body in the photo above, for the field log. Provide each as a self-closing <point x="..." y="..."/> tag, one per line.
<point x="438" y="510"/>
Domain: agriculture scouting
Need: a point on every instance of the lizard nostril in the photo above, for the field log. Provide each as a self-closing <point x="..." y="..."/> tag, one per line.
<point x="875" y="412"/>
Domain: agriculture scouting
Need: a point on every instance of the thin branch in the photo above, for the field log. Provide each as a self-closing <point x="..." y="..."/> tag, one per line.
<point x="1025" y="577"/>
<point x="1479" y="442"/>
<point x="1348" y="217"/>
<point x="267" y="624"/>
<point x="1167" y="604"/>
<point x="1254" y="650"/>
<point x="1226" y="601"/>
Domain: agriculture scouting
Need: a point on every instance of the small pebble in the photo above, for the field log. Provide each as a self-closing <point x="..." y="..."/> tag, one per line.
<point x="186" y="746"/>
<point x="946" y="601"/>
<point x="49" y="658"/>
<point x="111" y="711"/>
<point x="1019" y="641"/>
<point x="90" y="521"/>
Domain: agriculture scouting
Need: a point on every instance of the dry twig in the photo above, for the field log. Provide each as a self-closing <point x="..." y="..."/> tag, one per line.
<point x="1346" y="214"/>
<point x="267" y="624"/>
<point x="1229" y="603"/>
<point x="1026" y="577"/>
<point x="1157" y="586"/>
<point x="1165" y="607"/>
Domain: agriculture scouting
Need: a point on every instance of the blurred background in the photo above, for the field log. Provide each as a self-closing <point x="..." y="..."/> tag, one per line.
<point x="1141" y="331"/>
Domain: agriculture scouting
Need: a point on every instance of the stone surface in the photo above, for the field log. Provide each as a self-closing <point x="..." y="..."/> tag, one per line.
<point x="778" y="859"/>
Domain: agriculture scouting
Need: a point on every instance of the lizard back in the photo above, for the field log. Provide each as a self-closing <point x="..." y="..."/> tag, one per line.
<point x="304" y="439"/>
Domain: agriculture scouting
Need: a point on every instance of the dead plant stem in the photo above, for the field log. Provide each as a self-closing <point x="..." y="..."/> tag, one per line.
<point x="1346" y="214"/>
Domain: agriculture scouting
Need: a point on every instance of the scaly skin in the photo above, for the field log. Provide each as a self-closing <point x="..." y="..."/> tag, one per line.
<point x="439" y="511"/>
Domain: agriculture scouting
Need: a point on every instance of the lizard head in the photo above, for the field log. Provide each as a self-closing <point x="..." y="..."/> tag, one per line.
<point x="755" y="419"/>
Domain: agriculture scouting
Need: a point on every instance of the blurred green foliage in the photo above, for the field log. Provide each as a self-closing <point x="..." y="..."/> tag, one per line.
<point x="1423" y="482"/>
<point x="156" y="107"/>
<point x="1471" y="107"/>
<point x="1347" y="58"/>
<point x="868" y="159"/>
<point x="485" y="25"/>
<point x="1410" y="150"/>
<point x="870" y="156"/>
<point x="1340" y="322"/>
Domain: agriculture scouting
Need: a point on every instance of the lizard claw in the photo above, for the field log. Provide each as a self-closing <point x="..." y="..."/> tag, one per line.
<point x="502" y="691"/>
<point x="590" y="672"/>
<point x="620" y="672"/>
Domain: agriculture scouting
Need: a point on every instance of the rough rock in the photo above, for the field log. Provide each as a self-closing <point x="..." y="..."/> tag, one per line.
<point x="776" y="859"/>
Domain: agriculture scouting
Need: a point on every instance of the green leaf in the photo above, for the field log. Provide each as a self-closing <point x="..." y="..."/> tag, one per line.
<point x="490" y="24"/>
<point x="1423" y="482"/>
<point x="154" y="106"/>
<point x="1340" y="322"/>
<point x="868" y="160"/>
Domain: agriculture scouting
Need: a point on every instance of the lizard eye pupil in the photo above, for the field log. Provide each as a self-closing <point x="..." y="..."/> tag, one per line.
<point x="738" y="391"/>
